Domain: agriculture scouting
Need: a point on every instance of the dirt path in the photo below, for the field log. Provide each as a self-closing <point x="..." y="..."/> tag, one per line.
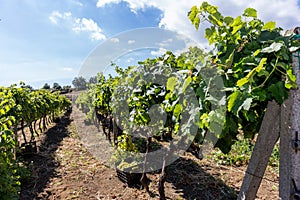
<point x="63" y="168"/>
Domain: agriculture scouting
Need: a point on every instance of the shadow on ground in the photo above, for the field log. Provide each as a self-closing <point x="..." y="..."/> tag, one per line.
<point x="194" y="182"/>
<point x="43" y="164"/>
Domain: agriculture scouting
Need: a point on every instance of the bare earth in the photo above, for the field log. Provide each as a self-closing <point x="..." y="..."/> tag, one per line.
<point x="64" y="168"/>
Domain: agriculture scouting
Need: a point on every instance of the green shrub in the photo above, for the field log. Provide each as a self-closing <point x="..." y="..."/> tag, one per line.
<point x="240" y="154"/>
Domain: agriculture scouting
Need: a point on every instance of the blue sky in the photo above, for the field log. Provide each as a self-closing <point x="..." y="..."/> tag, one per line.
<point x="47" y="41"/>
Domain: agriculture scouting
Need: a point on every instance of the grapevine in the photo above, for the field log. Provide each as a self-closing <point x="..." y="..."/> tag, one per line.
<point x="249" y="66"/>
<point x="256" y="64"/>
<point x="20" y="107"/>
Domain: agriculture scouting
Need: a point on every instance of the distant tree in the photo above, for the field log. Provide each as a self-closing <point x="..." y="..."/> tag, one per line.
<point x="93" y="80"/>
<point x="27" y="86"/>
<point x="46" y="86"/>
<point x="56" y="86"/>
<point x="67" y="87"/>
<point x="23" y="85"/>
<point x="79" y="83"/>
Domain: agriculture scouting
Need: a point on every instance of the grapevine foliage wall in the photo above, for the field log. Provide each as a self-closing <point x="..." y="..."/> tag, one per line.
<point x="249" y="66"/>
<point x="256" y="63"/>
<point x="20" y="105"/>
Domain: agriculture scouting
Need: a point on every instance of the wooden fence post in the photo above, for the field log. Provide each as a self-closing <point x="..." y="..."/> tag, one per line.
<point x="289" y="134"/>
<point x="267" y="138"/>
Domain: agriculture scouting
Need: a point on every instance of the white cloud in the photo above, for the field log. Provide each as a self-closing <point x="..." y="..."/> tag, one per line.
<point x="88" y="25"/>
<point x="167" y="42"/>
<point x="131" y="41"/>
<point x="174" y="13"/>
<point x="56" y="16"/>
<point x="78" y="3"/>
<point x="78" y="25"/>
<point x="134" y="5"/>
<point x="115" y="40"/>
<point x="159" y="52"/>
<point x="282" y="12"/>
<point x="102" y="3"/>
<point x="68" y="69"/>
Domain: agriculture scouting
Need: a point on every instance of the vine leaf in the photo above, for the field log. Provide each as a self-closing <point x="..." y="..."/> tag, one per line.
<point x="274" y="47"/>
<point x="261" y="64"/>
<point x="238" y="101"/>
<point x="269" y="26"/>
<point x="237" y="24"/>
<point x="228" y="20"/>
<point x="232" y="99"/>
<point x="250" y="75"/>
<point x="290" y="80"/>
<point x="216" y="121"/>
<point x="250" y="12"/>
<point x="247" y="103"/>
<point x="293" y="49"/>
<point x="177" y="110"/>
<point x="171" y="83"/>
<point x="278" y="91"/>
<point x="2" y="111"/>
<point x="242" y="81"/>
<point x="193" y="16"/>
<point x="229" y="60"/>
<point x="186" y="83"/>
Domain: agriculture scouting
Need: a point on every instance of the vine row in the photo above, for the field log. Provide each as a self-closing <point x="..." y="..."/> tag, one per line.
<point x="21" y="107"/>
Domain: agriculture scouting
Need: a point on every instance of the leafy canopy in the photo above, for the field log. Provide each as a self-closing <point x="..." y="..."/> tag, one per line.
<point x="255" y="59"/>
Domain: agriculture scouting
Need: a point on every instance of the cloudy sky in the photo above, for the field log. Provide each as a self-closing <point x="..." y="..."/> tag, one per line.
<point x="49" y="40"/>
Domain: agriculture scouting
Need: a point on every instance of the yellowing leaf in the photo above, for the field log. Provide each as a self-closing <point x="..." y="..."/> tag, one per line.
<point x="232" y="99"/>
<point x="186" y="83"/>
<point x="204" y="120"/>
<point x="196" y="22"/>
<point x="237" y="21"/>
<point x="177" y="110"/>
<point x="242" y="81"/>
<point x="269" y="26"/>
<point x="256" y="52"/>
<point x="250" y="12"/>
<point x="261" y="64"/>
<point x="171" y="83"/>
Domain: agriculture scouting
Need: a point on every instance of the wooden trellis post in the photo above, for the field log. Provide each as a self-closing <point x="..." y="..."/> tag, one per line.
<point x="267" y="138"/>
<point x="289" y="183"/>
<point x="283" y="121"/>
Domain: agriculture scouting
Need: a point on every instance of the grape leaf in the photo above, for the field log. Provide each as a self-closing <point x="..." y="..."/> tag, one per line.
<point x="171" y="83"/>
<point x="269" y="26"/>
<point x="278" y="91"/>
<point x="250" y="12"/>
<point x="274" y="47"/>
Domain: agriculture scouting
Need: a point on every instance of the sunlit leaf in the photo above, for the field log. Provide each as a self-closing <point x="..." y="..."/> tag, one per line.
<point x="232" y="100"/>
<point x="171" y="83"/>
<point x="261" y="64"/>
<point x="242" y="81"/>
<point x="274" y="47"/>
<point x="186" y="83"/>
<point x="269" y="26"/>
<point x="250" y="12"/>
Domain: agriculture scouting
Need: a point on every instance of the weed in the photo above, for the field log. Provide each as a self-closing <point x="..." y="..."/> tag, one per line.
<point x="240" y="154"/>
